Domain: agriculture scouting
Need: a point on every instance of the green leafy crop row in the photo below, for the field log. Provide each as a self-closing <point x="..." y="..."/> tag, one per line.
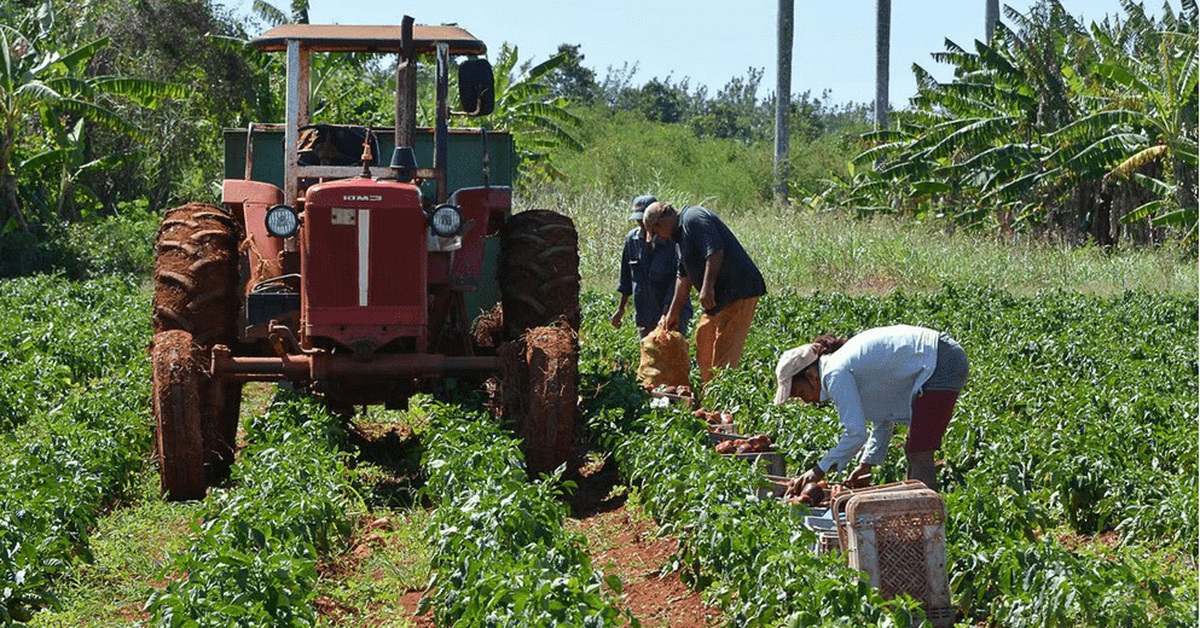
<point x="253" y="561"/>
<point x="503" y="558"/>
<point x="74" y="376"/>
<point x="1070" y="468"/>
<point x="751" y="555"/>
<point x="56" y="334"/>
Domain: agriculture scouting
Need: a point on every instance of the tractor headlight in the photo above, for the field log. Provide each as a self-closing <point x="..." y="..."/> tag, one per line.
<point x="282" y="221"/>
<point x="446" y="221"/>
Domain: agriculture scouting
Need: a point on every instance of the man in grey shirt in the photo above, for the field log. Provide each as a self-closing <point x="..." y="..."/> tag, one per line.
<point x="712" y="259"/>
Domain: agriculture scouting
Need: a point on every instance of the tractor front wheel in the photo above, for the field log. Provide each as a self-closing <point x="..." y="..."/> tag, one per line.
<point x="538" y="389"/>
<point x="179" y="378"/>
<point x="195" y="291"/>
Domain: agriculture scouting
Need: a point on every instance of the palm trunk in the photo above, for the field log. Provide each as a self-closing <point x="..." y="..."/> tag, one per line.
<point x="883" y="35"/>
<point x="990" y="17"/>
<point x="783" y="97"/>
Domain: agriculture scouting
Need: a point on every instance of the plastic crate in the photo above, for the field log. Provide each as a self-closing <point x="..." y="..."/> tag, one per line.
<point x="715" y="437"/>
<point x="722" y="428"/>
<point x="838" y="505"/>
<point x="775" y="488"/>
<point x="770" y="460"/>
<point x="898" y="538"/>
<point x="820" y="521"/>
<point x="827" y="543"/>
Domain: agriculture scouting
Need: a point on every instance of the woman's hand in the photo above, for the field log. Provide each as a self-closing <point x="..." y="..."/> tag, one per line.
<point x="815" y="474"/>
<point x="860" y="477"/>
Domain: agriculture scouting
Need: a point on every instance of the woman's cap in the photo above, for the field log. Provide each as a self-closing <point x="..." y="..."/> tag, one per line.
<point x="639" y="206"/>
<point x="790" y="364"/>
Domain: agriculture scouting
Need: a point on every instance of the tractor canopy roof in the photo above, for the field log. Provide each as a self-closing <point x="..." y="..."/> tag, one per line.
<point x="376" y="38"/>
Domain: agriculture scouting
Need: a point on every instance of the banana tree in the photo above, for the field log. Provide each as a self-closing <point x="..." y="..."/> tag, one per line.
<point x="1145" y="130"/>
<point x="1045" y="124"/>
<point x="526" y="106"/>
<point x="70" y="162"/>
<point x="44" y="91"/>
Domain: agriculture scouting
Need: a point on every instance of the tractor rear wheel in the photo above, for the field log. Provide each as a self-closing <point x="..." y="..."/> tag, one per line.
<point x="178" y="379"/>
<point x="539" y="287"/>
<point x="539" y="271"/>
<point x="195" y="291"/>
<point x="196" y="274"/>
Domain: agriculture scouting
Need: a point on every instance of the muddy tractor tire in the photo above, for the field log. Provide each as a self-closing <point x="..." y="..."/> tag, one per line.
<point x="539" y="271"/>
<point x="539" y="384"/>
<point x="179" y="376"/>
<point x="196" y="291"/>
<point x="539" y="287"/>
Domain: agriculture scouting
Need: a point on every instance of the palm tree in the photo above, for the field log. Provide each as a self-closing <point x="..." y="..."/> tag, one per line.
<point x="883" y="36"/>
<point x="274" y="16"/>
<point x="783" y="96"/>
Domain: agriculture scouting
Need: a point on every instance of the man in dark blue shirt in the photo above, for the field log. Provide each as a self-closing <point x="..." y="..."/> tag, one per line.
<point x="648" y="271"/>
<point x="712" y="259"/>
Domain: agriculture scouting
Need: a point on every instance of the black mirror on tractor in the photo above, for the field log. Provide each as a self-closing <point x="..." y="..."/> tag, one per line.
<point x="476" y="87"/>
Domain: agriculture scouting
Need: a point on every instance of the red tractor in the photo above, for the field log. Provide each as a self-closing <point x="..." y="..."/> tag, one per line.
<point x="339" y="263"/>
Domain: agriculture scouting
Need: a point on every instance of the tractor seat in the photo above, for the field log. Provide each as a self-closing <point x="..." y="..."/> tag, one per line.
<point x="334" y="145"/>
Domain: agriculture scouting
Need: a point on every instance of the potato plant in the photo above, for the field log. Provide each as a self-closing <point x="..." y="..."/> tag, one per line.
<point x="1070" y="468"/>
<point x="72" y="441"/>
<point x="503" y="557"/>
<point x="1070" y="471"/>
<point x="56" y="335"/>
<point x="253" y="559"/>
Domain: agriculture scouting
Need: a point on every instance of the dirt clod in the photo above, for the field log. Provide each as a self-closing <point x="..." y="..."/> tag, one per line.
<point x="538" y="393"/>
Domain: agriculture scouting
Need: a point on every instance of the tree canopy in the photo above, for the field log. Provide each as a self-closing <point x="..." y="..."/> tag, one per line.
<point x="1051" y="123"/>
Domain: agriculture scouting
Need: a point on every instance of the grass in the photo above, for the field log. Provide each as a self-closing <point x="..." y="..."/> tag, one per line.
<point x="389" y="556"/>
<point x="129" y="546"/>
<point x="389" y="550"/>
<point x="803" y="251"/>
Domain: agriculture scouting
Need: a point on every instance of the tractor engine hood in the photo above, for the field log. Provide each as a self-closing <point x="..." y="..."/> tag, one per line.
<point x="364" y="264"/>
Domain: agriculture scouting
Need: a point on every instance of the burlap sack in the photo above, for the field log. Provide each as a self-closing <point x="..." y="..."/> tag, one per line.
<point x="664" y="359"/>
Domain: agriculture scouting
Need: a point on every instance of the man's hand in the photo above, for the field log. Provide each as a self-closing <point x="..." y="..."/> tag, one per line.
<point x="669" y="322"/>
<point x="708" y="296"/>
<point x="708" y="287"/>
<point x="616" y="318"/>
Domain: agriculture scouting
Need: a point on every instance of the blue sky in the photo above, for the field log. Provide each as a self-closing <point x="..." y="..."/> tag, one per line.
<point x="711" y="42"/>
